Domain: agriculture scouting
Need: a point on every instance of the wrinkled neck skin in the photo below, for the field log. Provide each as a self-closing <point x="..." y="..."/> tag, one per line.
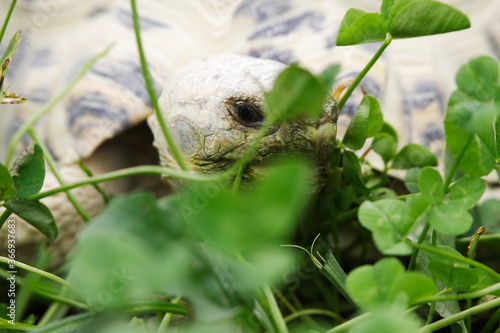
<point x="199" y="107"/>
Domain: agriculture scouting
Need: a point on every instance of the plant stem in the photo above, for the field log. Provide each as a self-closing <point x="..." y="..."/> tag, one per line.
<point x="22" y="327"/>
<point x="492" y="322"/>
<point x="7" y="19"/>
<point x="432" y="308"/>
<point x="239" y="166"/>
<point x="309" y="312"/>
<point x="168" y="317"/>
<point x="278" y="319"/>
<point x="365" y="70"/>
<point x="68" y="324"/>
<point x="47" y="107"/>
<point x="150" y="306"/>
<point x="238" y="178"/>
<point x="122" y="173"/>
<point x="468" y="320"/>
<point x="348" y="324"/>
<point x="37" y="271"/>
<point x="61" y="299"/>
<point x="47" y="294"/>
<point x="457" y="257"/>
<point x="347" y="216"/>
<point x="414" y="254"/>
<point x="98" y="188"/>
<point x="460" y="316"/>
<point x="52" y="312"/>
<point x="55" y="171"/>
<point x="487" y="237"/>
<point x="5" y="215"/>
<point x="250" y="152"/>
<point x="494" y="288"/>
<point x="30" y="281"/>
<point x="151" y="91"/>
<point x="456" y="164"/>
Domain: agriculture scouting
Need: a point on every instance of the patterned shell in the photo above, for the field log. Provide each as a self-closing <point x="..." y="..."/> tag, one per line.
<point x="413" y="80"/>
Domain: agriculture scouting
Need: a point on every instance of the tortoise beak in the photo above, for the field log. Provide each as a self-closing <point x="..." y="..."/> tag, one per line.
<point x="325" y="134"/>
<point x="330" y="113"/>
<point x="311" y="138"/>
<point x="325" y="141"/>
<point x="326" y="131"/>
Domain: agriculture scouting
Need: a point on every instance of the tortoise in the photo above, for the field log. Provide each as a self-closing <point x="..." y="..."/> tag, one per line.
<point x="211" y="62"/>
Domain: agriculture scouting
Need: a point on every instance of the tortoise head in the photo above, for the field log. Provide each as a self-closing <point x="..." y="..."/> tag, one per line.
<point x="214" y="109"/>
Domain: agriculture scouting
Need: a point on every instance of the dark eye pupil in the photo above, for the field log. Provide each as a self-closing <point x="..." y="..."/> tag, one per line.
<point x="248" y="116"/>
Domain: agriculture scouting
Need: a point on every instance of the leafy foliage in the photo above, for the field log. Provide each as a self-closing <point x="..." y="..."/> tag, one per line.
<point x="218" y="250"/>
<point x="7" y="185"/>
<point x="366" y="123"/>
<point x="297" y="92"/>
<point x="24" y="180"/>
<point x="400" y="19"/>
<point x="28" y="171"/>
<point x="387" y="282"/>
<point x="471" y="120"/>
<point x="413" y="156"/>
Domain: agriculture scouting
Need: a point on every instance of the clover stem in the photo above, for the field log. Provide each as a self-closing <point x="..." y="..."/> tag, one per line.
<point x="456" y="317"/>
<point x="122" y="173"/>
<point x="7" y="19"/>
<point x="5" y="215"/>
<point x="275" y="312"/>
<point x="365" y="70"/>
<point x="456" y="164"/>
<point x="347" y="216"/>
<point x="468" y="320"/>
<point x="98" y="188"/>
<point x="60" y="299"/>
<point x="414" y="254"/>
<point x="39" y="272"/>
<point x="318" y="312"/>
<point x="52" y="311"/>
<point x="238" y="178"/>
<point x="151" y="91"/>
<point x="239" y="166"/>
<point x="349" y="324"/>
<point x="168" y="317"/>
<point x="457" y="257"/>
<point x="55" y="171"/>
<point x="430" y="315"/>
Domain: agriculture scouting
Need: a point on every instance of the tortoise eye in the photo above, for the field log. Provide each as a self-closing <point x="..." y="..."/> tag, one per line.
<point x="248" y="115"/>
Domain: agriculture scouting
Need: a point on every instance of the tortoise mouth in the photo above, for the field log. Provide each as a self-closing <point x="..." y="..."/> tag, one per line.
<point x="255" y="172"/>
<point x="312" y="142"/>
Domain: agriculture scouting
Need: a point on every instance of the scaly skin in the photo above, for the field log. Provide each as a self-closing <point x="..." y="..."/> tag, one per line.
<point x="199" y="107"/>
<point x="209" y="90"/>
